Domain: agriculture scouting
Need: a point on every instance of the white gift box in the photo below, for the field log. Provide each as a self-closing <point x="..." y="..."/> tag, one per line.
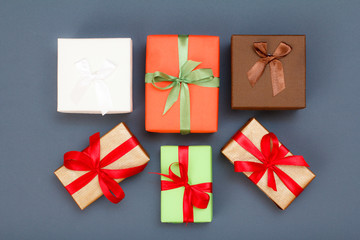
<point x="95" y="75"/>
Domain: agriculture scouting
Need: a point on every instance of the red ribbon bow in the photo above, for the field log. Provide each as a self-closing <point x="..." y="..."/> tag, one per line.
<point x="194" y="195"/>
<point x="270" y="156"/>
<point x="89" y="160"/>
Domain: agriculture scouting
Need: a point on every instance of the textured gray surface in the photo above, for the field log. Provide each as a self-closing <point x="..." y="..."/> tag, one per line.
<point x="33" y="203"/>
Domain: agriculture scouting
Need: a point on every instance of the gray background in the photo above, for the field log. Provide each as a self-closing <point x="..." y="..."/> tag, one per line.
<point x="34" y="137"/>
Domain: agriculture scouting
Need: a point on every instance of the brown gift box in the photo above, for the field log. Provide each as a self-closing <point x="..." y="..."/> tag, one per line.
<point x="92" y="191"/>
<point x="254" y="131"/>
<point x="260" y="97"/>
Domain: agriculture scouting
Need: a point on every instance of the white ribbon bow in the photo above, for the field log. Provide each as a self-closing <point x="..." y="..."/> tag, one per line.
<point x="97" y="78"/>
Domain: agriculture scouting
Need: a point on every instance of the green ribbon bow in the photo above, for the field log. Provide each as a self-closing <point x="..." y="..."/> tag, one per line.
<point x="179" y="85"/>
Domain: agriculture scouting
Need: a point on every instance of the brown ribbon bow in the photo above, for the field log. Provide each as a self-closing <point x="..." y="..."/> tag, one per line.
<point x="276" y="68"/>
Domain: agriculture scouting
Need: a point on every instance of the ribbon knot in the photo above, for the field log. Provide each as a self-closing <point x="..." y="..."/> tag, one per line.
<point x="271" y="155"/>
<point x="268" y="59"/>
<point x="181" y="80"/>
<point x="96" y="78"/>
<point x="276" y="68"/>
<point x="89" y="160"/>
<point x="194" y="195"/>
<point x="269" y="165"/>
<point x="97" y="170"/>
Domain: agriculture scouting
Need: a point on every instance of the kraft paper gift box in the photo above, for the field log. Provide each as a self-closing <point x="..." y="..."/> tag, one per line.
<point x="166" y="55"/>
<point x="268" y="72"/>
<point x="95" y="75"/>
<point x="121" y="151"/>
<point x="199" y="160"/>
<point x="290" y="173"/>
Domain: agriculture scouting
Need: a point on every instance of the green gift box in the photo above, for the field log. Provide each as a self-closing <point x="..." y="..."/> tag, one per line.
<point x="186" y="191"/>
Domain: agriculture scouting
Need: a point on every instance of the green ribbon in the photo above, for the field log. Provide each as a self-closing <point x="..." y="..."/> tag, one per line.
<point x="179" y="85"/>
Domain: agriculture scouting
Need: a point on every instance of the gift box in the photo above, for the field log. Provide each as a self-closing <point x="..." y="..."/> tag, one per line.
<point x="98" y="169"/>
<point x="268" y="72"/>
<point x="257" y="153"/>
<point x="186" y="184"/>
<point x="95" y="75"/>
<point x="181" y="90"/>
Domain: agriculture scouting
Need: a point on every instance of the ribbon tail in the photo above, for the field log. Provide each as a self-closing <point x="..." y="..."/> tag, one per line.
<point x="256" y="176"/>
<point x="188" y="211"/>
<point x="184" y="109"/>
<point x="277" y="76"/>
<point x="255" y="72"/>
<point x="103" y="96"/>
<point x="271" y="179"/>
<point x="172" y="97"/>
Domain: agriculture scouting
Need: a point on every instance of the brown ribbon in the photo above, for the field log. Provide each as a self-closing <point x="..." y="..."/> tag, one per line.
<point x="276" y="68"/>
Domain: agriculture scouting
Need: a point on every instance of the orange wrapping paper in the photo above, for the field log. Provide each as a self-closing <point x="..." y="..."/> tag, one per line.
<point x="162" y="55"/>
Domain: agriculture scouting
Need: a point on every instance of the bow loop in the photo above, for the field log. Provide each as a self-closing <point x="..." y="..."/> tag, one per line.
<point x="261" y="49"/>
<point x="176" y="181"/>
<point x="157" y="77"/>
<point x="276" y="68"/>
<point x="78" y="161"/>
<point x="111" y="189"/>
<point x="93" y="151"/>
<point x="272" y="154"/>
<point x="270" y="147"/>
<point x="199" y="198"/>
<point x="282" y="50"/>
<point x="183" y="178"/>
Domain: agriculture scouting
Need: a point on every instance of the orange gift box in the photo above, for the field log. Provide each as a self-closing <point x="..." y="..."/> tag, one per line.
<point x="162" y="55"/>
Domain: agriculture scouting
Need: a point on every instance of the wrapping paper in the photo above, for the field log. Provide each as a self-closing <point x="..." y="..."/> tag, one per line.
<point x="162" y="55"/>
<point x="200" y="171"/>
<point x="283" y="196"/>
<point x="92" y="191"/>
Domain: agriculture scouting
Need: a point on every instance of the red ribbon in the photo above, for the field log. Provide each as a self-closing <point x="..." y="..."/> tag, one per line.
<point x="194" y="195"/>
<point x="271" y="154"/>
<point x="89" y="160"/>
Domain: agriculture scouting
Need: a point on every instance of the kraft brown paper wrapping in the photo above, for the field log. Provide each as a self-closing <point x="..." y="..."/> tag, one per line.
<point x="283" y="196"/>
<point x="92" y="191"/>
